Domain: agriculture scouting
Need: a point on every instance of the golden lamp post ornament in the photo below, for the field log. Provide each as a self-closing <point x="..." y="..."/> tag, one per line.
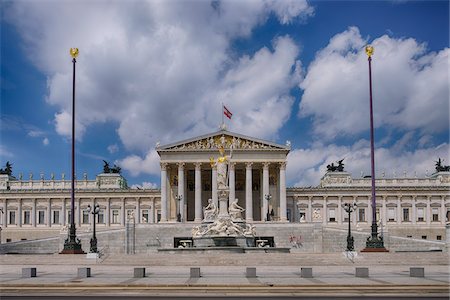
<point x="369" y="50"/>
<point x="74" y="52"/>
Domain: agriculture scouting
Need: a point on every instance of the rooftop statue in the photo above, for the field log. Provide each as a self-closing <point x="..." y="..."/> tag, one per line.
<point x="7" y="170"/>
<point x="338" y="168"/>
<point x="108" y="169"/>
<point x="440" y="167"/>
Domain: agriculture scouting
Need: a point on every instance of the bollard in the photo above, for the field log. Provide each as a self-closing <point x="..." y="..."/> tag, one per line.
<point x="306" y="273"/>
<point x="416" y="272"/>
<point x="250" y="273"/>
<point x="28" y="272"/>
<point x="195" y="272"/>
<point x="84" y="272"/>
<point x="362" y="272"/>
<point x="139" y="272"/>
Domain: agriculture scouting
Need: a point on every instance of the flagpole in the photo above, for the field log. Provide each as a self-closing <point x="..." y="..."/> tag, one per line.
<point x="223" y="122"/>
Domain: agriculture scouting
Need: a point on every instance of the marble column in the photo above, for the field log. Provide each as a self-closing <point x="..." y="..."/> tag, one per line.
<point x="138" y="210"/>
<point x="248" y="193"/>
<point x="383" y="208"/>
<point x="49" y="212"/>
<point x="309" y="214"/>
<point x="214" y="186"/>
<point x="399" y="210"/>
<point x="428" y="211"/>
<point x="78" y="212"/>
<point x="339" y="210"/>
<point x="181" y="190"/>
<point x="414" y="211"/>
<point x="151" y="213"/>
<point x="325" y="211"/>
<point x="355" y="212"/>
<point x="164" y="192"/>
<point x="33" y="213"/>
<point x="443" y="210"/>
<point x="108" y="212"/>
<point x="265" y="188"/>
<point x="198" y="192"/>
<point x="63" y="212"/>
<point x="19" y="213"/>
<point x="283" y="205"/>
<point x="5" y="213"/>
<point x="232" y="183"/>
<point x="122" y="208"/>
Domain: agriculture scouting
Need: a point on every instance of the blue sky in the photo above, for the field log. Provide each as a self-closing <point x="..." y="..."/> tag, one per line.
<point x="288" y="70"/>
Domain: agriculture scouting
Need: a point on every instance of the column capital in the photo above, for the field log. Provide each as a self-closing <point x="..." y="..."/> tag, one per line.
<point x="197" y="165"/>
<point x="248" y="165"/>
<point x="283" y="165"/>
<point x="181" y="165"/>
<point x="265" y="165"/>
<point x="163" y="166"/>
<point x="232" y="165"/>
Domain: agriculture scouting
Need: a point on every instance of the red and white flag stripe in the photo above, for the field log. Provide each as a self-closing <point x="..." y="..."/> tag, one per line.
<point x="226" y="112"/>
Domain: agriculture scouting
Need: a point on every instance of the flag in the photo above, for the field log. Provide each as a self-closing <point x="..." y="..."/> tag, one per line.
<point x="227" y="113"/>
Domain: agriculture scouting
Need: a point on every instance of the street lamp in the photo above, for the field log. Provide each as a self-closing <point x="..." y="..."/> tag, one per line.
<point x="374" y="242"/>
<point x="268" y="197"/>
<point x="179" y="197"/>
<point x="94" y="212"/>
<point x="72" y="245"/>
<point x="349" y="208"/>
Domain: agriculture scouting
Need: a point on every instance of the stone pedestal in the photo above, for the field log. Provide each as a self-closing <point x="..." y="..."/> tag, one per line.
<point x="223" y="203"/>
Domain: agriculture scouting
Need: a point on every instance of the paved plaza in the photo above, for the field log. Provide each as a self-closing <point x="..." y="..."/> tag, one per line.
<point x="278" y="275"/>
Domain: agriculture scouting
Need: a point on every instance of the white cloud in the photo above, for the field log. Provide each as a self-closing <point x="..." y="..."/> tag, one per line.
<point x="307" y="166"/>
<point x="136" y="165"/>
<point x="145" y="185"/>
<point x="45" y="141"/>
<point x="410" y="86"/>
<point x="113" y="148"/>
<point x="157" y="67"/>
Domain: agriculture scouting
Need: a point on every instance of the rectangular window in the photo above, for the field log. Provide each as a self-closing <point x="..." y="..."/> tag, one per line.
<point x="27" y="217"/>
<point x="41" y="217"/>
<point x="12" y="217"/>
<point x="302" y="216"/>
<point x="439" y="237"/>
<point x="144" y="218"/>
<point x="361" y="215"/>
<point x="158" y="216"/>
<point x="405" y="214"/>
<point x="331" y="215"/>
<point x="85" y="219"/>
<point x="420" y="214"/>
<point x="56" y="217"/>
<point x="115" y="216"/>
<point x="68" y="217"/>
<point x="101" y="217"/>
<point x="435" y="214"/>
<point x="391" y="214"/>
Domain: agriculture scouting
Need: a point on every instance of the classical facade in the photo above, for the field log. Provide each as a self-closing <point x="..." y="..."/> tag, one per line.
<point x="407" y="207"/>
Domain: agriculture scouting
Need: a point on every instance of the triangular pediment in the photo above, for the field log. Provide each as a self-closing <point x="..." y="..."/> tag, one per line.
<point x="227" y="139"/>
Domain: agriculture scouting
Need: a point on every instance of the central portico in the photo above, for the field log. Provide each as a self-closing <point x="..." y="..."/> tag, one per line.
<point x="257" y="168"/>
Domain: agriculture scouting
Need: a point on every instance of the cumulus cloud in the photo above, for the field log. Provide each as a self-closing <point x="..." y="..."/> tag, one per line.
<point x="410" y="86"/>
<point x="145" y="185"/>
<point x="157" y="67"/>
<point x="113" y="148"/>
<point x="45" y="141"/>
<point x="307" y="166"/>
<point x="137" y="165"/>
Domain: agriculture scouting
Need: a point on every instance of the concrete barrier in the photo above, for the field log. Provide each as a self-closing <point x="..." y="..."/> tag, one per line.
<point x="250" y="273"/>
<point x="306" y="273"/>
<point x="362" y="272"/>
<point x="139" y="272"/>
<point x="28" y="272"/>
<point x="195" y="272"/>
<point x="416" y="272"/>
<point x="84" y="272"/>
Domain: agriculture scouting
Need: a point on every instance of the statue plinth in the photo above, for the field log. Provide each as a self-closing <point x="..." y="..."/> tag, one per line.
<point x="223" y="193"/>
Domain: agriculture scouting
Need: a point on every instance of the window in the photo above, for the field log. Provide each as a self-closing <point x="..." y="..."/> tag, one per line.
<point x="101" y="217"/>
<point x="424" y="237"/>
<point x="41" y="217"/>
<point x="391" y="214"/>
<point x="439" y="237"/>
<point x="158" y="216"/>
<point x="85" y="217"/>
<point x="435" y="214"/>
<point x="420" y="214"/>
<point x="405" y="214"/>
<point x="56" y="217"/>
<point x="115" y="216"/>
<point x="331" y="215"/>
<point x="361" y="214"/>
<point x="27" y="217"/>
<point x="378" y="214"/>
<point x="130" y="215"/>
<point x="144" y="218"/>
<point x="12" y="218"/>
<point x="302" y="216"/>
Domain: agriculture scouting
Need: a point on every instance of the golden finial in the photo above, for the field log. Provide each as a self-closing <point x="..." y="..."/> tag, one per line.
<point x="369" y="50"/>
<point x="74" y="52"/>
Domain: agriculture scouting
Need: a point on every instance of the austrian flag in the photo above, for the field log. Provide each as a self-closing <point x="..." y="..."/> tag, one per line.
<point x="227" y="113"/>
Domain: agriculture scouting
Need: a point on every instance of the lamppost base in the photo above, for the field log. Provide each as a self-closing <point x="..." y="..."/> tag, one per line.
<point x="72" y="248"/>
<point x="374" y="244"/>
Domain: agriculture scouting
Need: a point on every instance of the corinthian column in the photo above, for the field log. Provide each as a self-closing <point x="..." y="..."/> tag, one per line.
<point x="248" y="193"/>
<point x="214" y="185"/>
<point x="198" y="192"/>
<point x="265" y="189"/>
<point x="283" y="206"/>
<point x="232" y="183"/>
<point x="181" y="189"/>
<point x="163" y="192"/>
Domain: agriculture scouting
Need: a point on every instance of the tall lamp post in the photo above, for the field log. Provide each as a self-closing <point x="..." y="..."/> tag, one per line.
<point x="374" y="242"/>
<point x="94" y="211"/>
<point x="268" y="197"/>
<point x="72" y="245"/>
<point x="179" y="197"/>
<point x="349" y="208"/>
